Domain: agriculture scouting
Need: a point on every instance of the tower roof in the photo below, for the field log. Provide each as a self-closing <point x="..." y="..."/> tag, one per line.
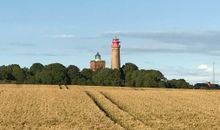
<point x="97" y="56"/>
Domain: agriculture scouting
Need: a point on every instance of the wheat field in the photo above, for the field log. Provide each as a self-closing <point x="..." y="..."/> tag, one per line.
<point x="45" y="107"/>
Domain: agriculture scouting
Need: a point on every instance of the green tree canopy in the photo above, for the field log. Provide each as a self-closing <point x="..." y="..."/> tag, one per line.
<point x="129" y="67"/>
<point x="17" y="73"/>
<point x="87" y="74"/>
<point x="36" y="68"/>
<point x="145" y="78"/>
<point x="53" y="74"/>
<point x="74" y="75"/>
<point x="6" y="73"/>
<point x="127" y="71"/>
<point x="128" y="75"/>
<point x="107" y="77"/>
<point x="178" y="83"/>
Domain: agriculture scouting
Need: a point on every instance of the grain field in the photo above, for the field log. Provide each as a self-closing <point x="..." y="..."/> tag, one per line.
<point x="62" y="107"/>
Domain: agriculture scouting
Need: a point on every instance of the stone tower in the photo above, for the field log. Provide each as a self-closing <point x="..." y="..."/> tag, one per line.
<point x="98" y="63"/>
<point x="115" y="53"/>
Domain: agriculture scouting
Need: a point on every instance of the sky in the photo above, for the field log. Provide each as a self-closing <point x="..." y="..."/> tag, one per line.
<point x="179" y="38"/>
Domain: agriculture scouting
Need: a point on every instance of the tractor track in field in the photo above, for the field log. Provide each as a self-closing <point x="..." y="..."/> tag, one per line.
<point x="63" y="87"/>
<point x="116" y="113"/>
<point x="120" y="107"/>
<point x="101" y="108"/>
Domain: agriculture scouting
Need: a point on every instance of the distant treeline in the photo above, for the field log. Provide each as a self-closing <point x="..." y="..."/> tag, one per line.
<point x="57" y="74"/>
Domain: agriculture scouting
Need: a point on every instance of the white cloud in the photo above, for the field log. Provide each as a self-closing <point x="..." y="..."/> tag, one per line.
<point x="200" y="74"/>
<point x="190" y="42"/>
<point x="164" y="42"/>
<point x="205" y="67"/>
<point x="64" y="36"/>
<point x="71" y="36"/>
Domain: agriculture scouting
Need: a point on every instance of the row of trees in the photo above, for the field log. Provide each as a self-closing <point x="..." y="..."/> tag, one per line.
<point x="128" y="75"/>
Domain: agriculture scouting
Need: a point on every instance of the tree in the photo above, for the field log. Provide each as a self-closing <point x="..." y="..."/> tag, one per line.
<point x="116" y="77"/>
<point x="126" y="72"/>
<point x="36" y="68"/>
<point x="129" y="67"/>
<point x="17" y="73"/>
<point x="87" y="74"/>
<point x="74" y="75"/>
<point x="28" y="75"/>
<point x="201" y="85"/>
<point x="6" y="74"/>
<point x="107" y="77"/>
<point x="33" y="75"/>
<point x="128" y="75"/>
<point x="53" y="74"/>
<point x="145" y="78"/>
<point x="178" y="83"/>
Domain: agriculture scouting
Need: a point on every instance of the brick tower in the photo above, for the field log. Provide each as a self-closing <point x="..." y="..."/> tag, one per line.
<point x="98" y="63"/>
<point x="115" y="53"/>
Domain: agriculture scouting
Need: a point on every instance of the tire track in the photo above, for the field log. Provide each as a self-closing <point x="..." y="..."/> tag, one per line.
<point x="67" y="87"/>
<point x="101" y="108"/>
<point x="115" y="113"/>
<point x="63" y="87"/>
<point x="120" y="107"/>
<point x="60" y="87"/>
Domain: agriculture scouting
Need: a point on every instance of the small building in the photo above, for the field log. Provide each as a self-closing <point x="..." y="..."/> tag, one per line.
<point x="98" y="63"/>
<point x="207" y="85"/>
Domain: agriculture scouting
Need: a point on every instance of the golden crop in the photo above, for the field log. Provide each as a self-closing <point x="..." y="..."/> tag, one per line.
<point x="56" y="107"/>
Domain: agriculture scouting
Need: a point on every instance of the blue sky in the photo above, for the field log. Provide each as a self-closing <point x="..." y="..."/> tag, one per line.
<point x="179" y="38"/>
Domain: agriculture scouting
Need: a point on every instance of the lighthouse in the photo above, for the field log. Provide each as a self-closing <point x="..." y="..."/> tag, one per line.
<point x="115" y="53"/>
